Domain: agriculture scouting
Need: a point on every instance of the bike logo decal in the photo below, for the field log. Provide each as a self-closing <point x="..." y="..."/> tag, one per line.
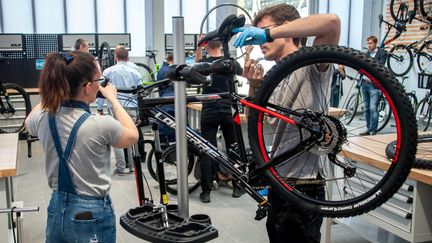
<point x="195" y="141"/>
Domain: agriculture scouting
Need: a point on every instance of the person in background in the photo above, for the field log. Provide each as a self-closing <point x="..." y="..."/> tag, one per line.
<point x="215" y="114"/>
<point x="336" y="85"/>
<point x="279" y="30"/>
<point x="123" y="77"/>
<point x="77" y="147"/>
<point x="369" y="91"/>
<point x="166" y="134"/>
<point x="81" y="45"/>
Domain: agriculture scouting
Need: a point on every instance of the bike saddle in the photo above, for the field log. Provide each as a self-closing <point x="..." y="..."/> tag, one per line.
<point x="224" y="32"/>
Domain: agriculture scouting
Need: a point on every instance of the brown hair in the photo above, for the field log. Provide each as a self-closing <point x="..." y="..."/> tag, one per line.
<point x="78" y="43"/>
<point x="62" y="77"/>
<point x="214" y="44"/>
<point x="372" y="38"/>
<point x="170" y="57"/>
<point x="279" y="13"/>
<point x="121" y="53"/>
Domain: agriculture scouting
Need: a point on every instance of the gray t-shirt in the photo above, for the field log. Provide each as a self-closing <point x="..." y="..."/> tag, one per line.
<point x="90" y="158"/>
<point x="308" y="88"/>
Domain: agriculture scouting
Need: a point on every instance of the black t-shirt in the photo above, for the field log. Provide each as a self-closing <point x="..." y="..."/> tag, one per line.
<point x="219" y="85"/>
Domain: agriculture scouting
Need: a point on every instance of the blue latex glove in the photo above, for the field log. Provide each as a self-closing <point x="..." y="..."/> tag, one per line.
<point x="250" y="36"/>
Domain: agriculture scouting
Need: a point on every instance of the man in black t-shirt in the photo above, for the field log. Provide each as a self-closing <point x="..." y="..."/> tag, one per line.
<point x="215" y="114"/>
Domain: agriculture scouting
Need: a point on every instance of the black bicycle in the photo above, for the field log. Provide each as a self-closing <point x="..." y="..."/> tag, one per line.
<point x="312" y="131"/>
<point x="14" y="107"/>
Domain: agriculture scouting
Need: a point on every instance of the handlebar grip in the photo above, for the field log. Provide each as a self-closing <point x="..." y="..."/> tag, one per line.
<point x="190" y="74"/>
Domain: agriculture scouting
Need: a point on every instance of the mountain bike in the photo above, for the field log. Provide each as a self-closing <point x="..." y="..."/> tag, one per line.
<point x="14" y="107"/>
<point x="315" y="133"/>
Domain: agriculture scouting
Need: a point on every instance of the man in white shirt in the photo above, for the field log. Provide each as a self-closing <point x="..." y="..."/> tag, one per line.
<point x="123" y="76"/>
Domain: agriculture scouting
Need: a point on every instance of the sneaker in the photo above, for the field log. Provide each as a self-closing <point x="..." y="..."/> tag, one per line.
<point x="205" y="197"/>
<point x="121" y="171"/>
<point x="132" y="169"/>
<point x="237" y="192"/>
<point x="365" y="133"/>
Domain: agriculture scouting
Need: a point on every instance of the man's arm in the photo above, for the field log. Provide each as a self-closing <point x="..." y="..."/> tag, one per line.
<point x="381" y="56"/>
<point x="325" y="28"/>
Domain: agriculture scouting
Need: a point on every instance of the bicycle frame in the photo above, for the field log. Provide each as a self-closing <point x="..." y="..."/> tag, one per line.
<point x="149" y="108"/>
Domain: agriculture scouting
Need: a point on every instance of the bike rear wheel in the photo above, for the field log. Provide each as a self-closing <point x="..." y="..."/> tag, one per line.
<point x="400" y="60"/>
<point x="349" y="189"/>
<point x="16" y="104"/>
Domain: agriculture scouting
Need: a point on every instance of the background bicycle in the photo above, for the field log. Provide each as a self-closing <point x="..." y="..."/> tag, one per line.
<point x="14" y="107"/>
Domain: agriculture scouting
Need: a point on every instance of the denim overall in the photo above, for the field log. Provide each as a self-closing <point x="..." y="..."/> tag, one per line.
<point x="71" y="217"/>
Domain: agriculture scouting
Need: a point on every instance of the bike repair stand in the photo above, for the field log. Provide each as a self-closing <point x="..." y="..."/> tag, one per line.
<point x="171" y="223"/>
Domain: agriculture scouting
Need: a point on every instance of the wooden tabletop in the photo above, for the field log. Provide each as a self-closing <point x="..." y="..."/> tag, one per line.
<point x="8" y="154"/>
<point x="371" y="150"/>
<point x="336" y="112"/>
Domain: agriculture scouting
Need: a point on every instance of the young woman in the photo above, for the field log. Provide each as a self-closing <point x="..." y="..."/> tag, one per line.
<point x="77" y="147"/>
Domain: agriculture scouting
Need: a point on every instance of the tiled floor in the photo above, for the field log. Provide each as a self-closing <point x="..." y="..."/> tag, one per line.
<point x="234" y="218"/>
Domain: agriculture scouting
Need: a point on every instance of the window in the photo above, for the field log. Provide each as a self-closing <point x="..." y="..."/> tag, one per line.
<point x="49" y="16"/>
<point x="171" y="8"/>
<point x="136" y="26"/>
<point x="80" y="16"/>
<point x="110" y="16"/>
<point x="17" y="16"/>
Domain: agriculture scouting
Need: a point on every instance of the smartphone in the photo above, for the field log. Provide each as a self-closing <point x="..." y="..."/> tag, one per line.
<point x="86" y="215"/>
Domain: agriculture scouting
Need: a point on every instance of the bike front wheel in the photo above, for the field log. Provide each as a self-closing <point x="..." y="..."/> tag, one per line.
<point x="305" y="144"/>
<point x="170" y="168"/>
<point x="16" y="106"/>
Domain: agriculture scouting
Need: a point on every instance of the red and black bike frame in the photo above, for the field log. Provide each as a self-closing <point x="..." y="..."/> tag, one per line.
<point x="149" y="107"/>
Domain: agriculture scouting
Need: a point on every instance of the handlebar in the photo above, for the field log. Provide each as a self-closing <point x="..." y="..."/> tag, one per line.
<point x="200" y="73"/>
